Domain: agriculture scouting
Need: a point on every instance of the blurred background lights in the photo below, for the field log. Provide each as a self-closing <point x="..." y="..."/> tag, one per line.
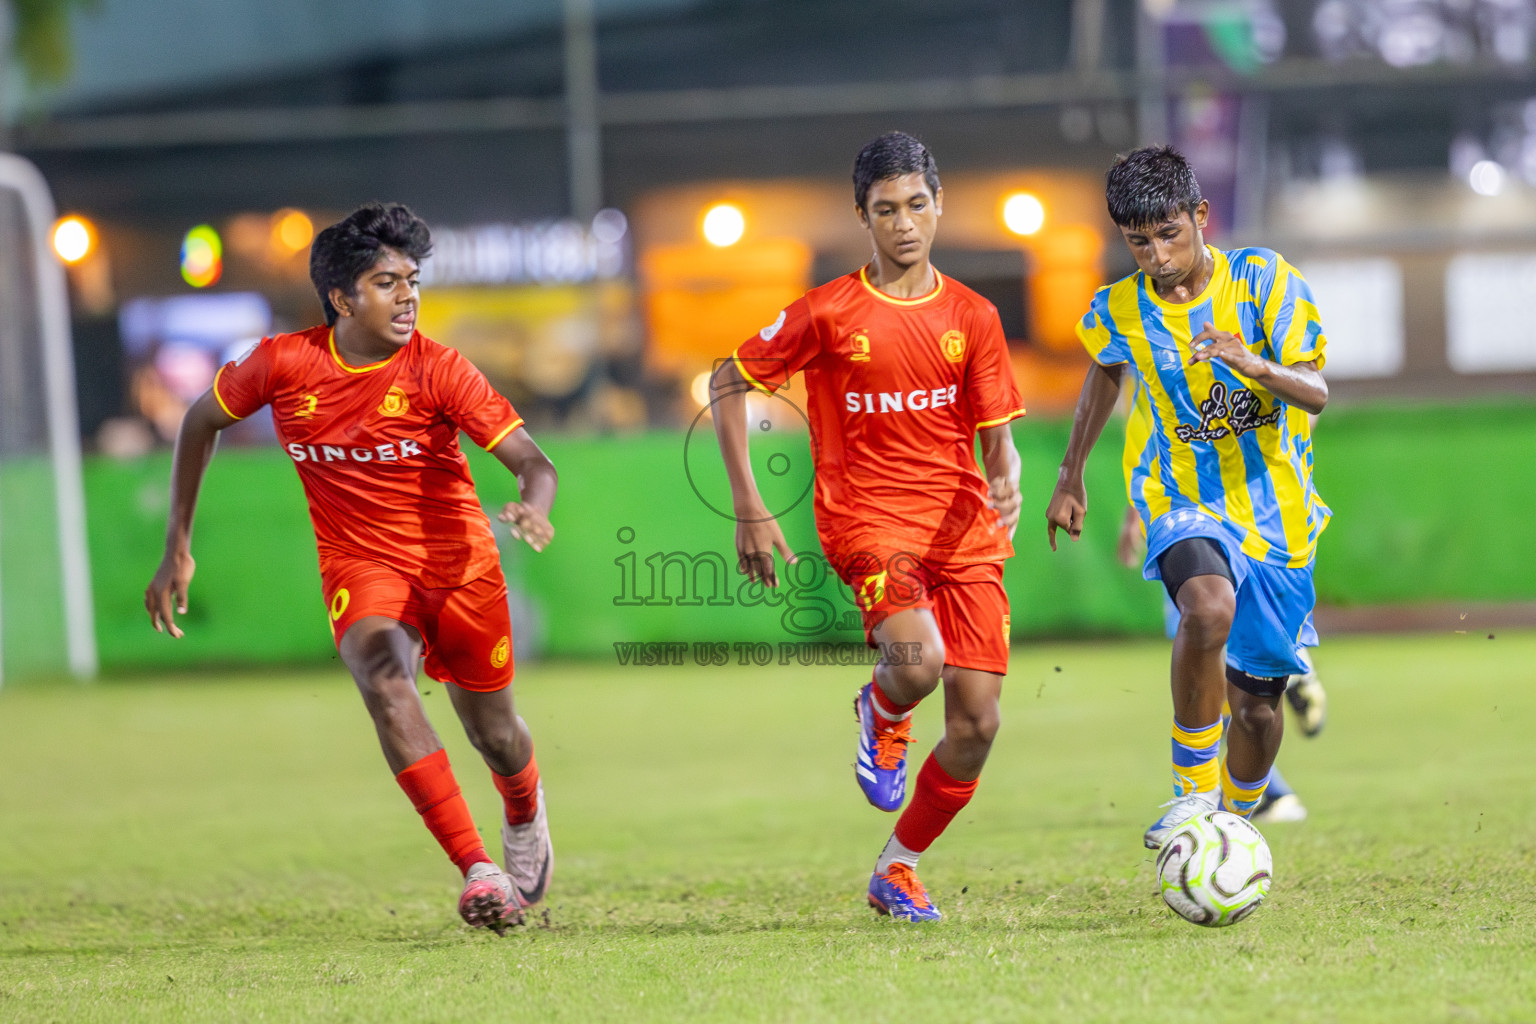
<point x="699" y="389"/>
<point x="609" y="226"/>
<point x="73" y="239"/>
<point x="1486" y="178"/>
<point x="292" y="231"/>
<point x="202" y="257"/>
<point x="724" y="225"/>
<point x="1023" y="214"/>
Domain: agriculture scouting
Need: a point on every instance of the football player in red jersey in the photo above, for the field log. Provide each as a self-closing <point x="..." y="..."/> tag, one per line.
<point x="904" y="367"/>
<point x="370" y="412"/>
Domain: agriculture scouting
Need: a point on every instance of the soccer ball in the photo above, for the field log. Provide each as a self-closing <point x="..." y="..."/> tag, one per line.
<point x="1214" y="870"/>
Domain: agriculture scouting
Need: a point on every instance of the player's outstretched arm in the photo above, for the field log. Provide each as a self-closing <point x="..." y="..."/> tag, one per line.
<point x="757" y="533"/>
<point x="1069" y="502"/>
<point x="536" y="485"/>
<point x="1300" y="384"/>
<point x="1001" y="461"/>
<point x="195" y="444"/>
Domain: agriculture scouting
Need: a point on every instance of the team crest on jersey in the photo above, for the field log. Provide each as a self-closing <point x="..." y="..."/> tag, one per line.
<point x="501" y="652"/>
<point x="395" y="403"/>
<point x="858" y="347"/>
<point x="307" y="406"/>
<point x="953" y="344"/>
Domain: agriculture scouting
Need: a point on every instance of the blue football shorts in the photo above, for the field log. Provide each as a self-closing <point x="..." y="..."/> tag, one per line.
<point x="1274" y="603"/>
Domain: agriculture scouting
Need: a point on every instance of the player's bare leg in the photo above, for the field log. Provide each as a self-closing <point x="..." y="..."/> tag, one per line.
<point x="382" y="654"/>
<point x="1253" y="740"/>
<point x="1207" y="604"/>
<point x="945" y="785"/>
<point x="916" y="674"/>
<point x="494" y="728"/>
<point x="910" y="668"/>
<point x="971" y="719"/>
<point x="1199" y="678"/>
<point x="502" y="738"/>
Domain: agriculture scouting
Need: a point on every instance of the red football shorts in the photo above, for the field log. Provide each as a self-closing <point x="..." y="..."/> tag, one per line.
<point x="968" y="601"/>
<point x="466" y="631"/>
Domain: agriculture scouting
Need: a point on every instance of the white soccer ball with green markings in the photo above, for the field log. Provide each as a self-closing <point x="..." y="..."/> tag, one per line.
<point x="1214" y="870"/>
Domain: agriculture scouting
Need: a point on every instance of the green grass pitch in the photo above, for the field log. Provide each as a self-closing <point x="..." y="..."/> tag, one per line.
<point x="233" y="848"/>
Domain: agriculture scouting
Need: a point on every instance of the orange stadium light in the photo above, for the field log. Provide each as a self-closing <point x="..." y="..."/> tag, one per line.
<point x="292" y="231"/>
<point x="1023" y="213"/>
<point x="723" y="225"/>
<point x="73" y="239"/>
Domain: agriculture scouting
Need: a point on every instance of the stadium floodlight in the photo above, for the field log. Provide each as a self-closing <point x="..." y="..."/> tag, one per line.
<point x="1486" y="178"/>
<point x="21" y="177"/>
<point x="73" y="239"/>
<point x="1023" y="214"/>
<point x="724" y="225"/>
<point x="292" y="231"/>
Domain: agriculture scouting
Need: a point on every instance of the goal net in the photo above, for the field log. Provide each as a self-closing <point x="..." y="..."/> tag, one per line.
<point x="46" y="616"/>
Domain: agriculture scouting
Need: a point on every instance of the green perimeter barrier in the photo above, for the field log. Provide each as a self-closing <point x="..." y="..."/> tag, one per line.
<point x="1430" y="503"/>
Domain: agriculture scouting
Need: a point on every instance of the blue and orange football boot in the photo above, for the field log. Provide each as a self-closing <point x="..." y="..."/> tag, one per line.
<point x="899" y="894"/>
<point x="882" y="759"/>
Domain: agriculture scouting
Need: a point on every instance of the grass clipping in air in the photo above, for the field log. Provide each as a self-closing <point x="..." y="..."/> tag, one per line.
<point x="233" y="848"/>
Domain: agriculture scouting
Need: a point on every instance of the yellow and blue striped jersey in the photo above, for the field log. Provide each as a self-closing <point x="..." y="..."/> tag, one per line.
<point x="1204" y="437"/>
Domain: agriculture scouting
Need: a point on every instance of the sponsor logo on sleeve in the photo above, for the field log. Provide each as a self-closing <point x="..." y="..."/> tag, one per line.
<point x="768" y="332"/>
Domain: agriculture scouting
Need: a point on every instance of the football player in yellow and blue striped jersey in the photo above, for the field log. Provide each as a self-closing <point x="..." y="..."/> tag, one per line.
<point x="1228" y="348"/>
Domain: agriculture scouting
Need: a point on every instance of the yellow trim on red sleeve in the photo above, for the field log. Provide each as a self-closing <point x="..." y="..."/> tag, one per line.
<point x="740" y="368"/>
<point x="1001" y="419"/>
<point x="220" y="398"/>
<point x="503" y="435"/>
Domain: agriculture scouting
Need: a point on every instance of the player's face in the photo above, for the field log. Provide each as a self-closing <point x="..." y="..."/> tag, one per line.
<point x="1171" y="251"/>
<point x="384" y="298"/>
<point x="902" y="217"/>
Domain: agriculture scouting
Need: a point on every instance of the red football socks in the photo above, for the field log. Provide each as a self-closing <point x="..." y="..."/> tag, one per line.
<point x="520" y="792"/>
<point x="435" y="795"/>
<point x="936" y="799"/>
<point x="887" y="708"/>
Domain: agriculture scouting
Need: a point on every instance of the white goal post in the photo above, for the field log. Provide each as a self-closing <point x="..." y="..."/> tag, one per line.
<point x="58" y="364"/>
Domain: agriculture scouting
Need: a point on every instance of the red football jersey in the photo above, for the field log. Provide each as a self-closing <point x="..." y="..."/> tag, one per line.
<point x="377" y="448"/>
<point x="896" y="389"/>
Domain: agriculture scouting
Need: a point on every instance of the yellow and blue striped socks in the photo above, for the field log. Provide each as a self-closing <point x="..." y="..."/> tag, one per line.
<point x="1194" y="758"/>
<point x="1241" y="797"/>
